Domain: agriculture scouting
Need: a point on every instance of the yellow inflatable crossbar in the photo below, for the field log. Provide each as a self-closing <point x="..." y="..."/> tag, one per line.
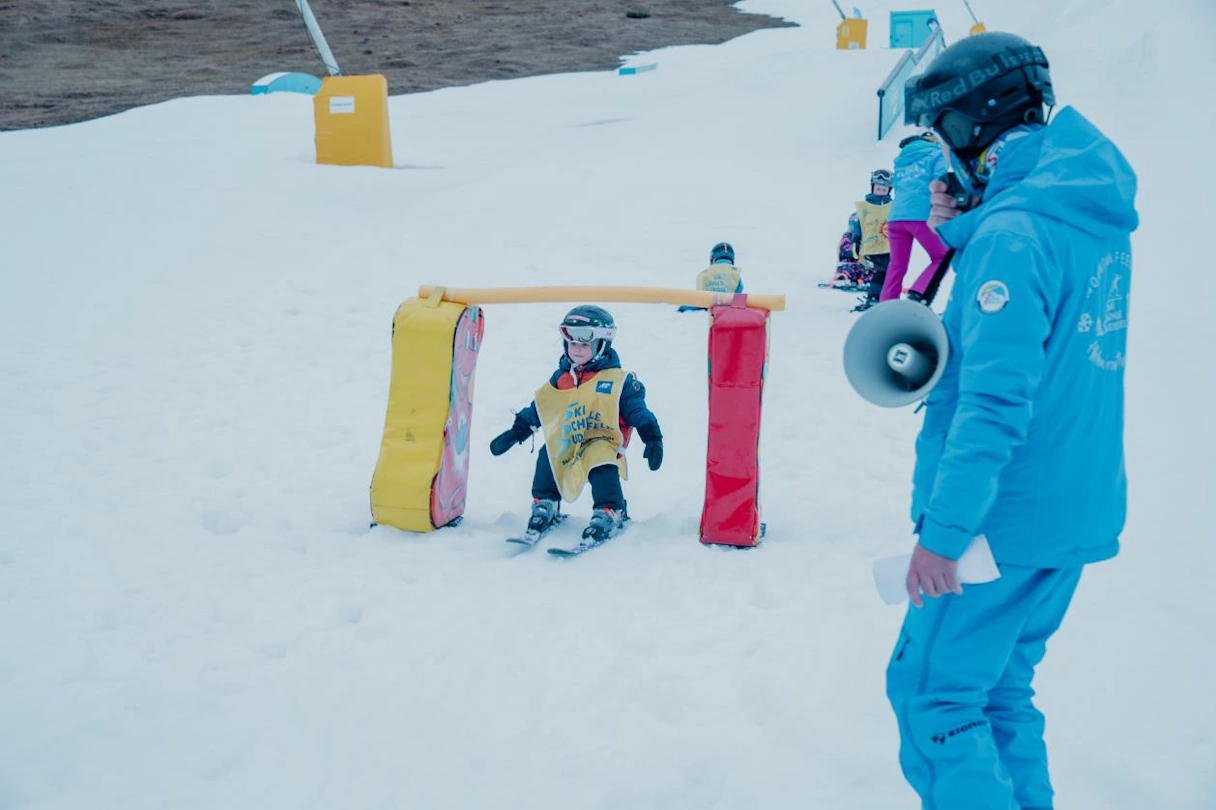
<point x="632" y="295"/>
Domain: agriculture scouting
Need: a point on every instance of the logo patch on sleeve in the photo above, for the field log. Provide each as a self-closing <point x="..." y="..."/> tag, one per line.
<point x="993" y="296"/>
<point x="603" y="387"/>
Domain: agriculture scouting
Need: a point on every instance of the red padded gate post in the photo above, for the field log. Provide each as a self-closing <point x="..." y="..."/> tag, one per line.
<point x="738" y="353"/>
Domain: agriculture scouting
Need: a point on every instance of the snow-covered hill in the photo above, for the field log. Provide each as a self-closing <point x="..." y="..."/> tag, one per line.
<point x="194" y="356"/>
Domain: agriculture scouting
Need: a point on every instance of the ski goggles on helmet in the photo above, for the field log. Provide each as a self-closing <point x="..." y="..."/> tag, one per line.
<point x="882" y="177"/>
<point x="587" y="334"/>
<point x="956" y="129"/>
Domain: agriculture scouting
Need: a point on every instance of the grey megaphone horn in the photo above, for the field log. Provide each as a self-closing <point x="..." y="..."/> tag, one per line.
<point x="896" y="353"/>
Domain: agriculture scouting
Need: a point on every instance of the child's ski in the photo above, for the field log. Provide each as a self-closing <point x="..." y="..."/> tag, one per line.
<point x="846" y="287"/>
<point x="588" y="543"/>
<point x="532" y="537"/>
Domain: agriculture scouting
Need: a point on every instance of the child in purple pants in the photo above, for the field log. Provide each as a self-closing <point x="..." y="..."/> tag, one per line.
<point x="920" y="160"/>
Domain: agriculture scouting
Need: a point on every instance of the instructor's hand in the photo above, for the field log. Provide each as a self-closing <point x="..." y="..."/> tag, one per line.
<point x="942" y="205"/>
<point x="931" y="573"/>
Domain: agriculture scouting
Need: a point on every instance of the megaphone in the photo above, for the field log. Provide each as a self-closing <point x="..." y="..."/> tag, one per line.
<point x="896" y="353"/>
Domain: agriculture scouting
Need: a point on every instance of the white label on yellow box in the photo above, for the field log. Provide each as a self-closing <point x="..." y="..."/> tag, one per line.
<point x="341" y="105"/>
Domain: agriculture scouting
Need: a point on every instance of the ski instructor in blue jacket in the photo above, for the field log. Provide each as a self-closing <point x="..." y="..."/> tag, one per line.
<point x="1023" y="436"/>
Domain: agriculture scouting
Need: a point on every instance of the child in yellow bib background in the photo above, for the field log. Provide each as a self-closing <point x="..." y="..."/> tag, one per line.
<point x="870" y="235"/>
<point x="722" y="275"/>
<point x="587" y="412"/>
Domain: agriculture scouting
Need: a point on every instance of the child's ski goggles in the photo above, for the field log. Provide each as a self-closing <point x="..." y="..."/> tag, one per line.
<point x="587" y="334"/>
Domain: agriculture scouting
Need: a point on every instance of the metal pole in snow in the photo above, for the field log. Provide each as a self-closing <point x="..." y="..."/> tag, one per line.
<point x="969" y="11"/>
<point x="318" y="38"/>
<point x="838" y="11"/>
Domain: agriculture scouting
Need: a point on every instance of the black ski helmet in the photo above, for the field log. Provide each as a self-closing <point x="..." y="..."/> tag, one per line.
<point x="602" y="329"/>
<point x="722" y="252"/>
<point x="978" y="88"/>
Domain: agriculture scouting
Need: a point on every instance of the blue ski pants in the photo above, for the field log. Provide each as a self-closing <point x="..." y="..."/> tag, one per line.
<point x="959" y="682"/>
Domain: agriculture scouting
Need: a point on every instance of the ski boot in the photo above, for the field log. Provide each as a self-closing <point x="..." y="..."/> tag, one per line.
<point x="913" y="295"/>
<point x="605" y="524"/>
<point x="865" y="302"/>
<point x="546" y="515"/>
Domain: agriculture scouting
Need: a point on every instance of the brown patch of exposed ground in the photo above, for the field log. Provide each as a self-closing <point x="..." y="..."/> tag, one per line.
<point x="63" y="61"/>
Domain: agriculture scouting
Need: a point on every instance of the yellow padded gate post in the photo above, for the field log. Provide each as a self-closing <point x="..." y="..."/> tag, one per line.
<point x="422" y="472"/>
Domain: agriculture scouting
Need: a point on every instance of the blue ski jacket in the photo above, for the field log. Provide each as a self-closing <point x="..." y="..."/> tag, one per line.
<point x="1023" y="435"/>
<point x="632" y="405"/>
<point x="916" y="165"/>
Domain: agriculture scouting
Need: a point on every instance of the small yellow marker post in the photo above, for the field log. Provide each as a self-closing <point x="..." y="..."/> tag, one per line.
<point x="351" y="115"/>
<point x="851" y="34"/>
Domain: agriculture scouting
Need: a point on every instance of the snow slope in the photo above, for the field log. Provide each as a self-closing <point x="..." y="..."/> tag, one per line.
<point x="194" y="351"/>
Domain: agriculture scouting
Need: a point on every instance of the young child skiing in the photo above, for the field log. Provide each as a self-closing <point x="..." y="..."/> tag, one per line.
<point x="587" y="411"/>
<point x="920" y="161"/>
<point x="722" y="275"/>
<point x="870" y="234"/>
<point x="850" y="274"/>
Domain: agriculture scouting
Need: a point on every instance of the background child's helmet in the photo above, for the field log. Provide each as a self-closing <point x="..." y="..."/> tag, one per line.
<point x="589" y="324"/>
<point x="880" y="177"/>
<point x="722" y="252"/>
<point x="978" y="88"/>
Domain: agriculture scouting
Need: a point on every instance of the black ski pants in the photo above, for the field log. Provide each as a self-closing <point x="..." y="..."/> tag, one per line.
<point x="605" y="483"/>
<point x="879" y="262"/>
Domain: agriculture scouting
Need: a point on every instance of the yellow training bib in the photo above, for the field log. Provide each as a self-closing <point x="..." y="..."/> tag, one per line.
<point x="582" y="429"/>
<point x="873" y="220"/>
<point x="722" y="278"/>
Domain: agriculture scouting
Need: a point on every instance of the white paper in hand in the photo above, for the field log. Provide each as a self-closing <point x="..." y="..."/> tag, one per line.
<point x="975" y="567"/>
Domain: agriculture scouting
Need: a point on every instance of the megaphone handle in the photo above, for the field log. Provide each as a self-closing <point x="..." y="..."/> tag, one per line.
<point x="935" y="282"/>
<point x="963" y="201"/>
<point x="954" y="187"/>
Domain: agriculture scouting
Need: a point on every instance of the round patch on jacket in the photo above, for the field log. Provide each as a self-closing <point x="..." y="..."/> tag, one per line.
<point x="993" y="296"/>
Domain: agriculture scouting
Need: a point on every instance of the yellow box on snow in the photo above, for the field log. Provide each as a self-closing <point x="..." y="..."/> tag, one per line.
<point x="351" y="115"/>
<point x="851" y="34"/>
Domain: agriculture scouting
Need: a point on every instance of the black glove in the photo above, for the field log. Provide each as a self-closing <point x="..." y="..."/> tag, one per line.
<point x="504" y="441"/>
<point x="653" y="438"/>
